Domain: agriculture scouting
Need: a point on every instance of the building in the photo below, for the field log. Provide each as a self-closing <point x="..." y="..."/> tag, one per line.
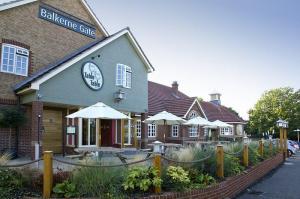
<point x="170" y="99"/>
<point x="57" y="57"/>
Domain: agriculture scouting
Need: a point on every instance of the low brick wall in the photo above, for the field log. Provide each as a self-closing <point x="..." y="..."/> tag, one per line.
<point x="232" y="186"/>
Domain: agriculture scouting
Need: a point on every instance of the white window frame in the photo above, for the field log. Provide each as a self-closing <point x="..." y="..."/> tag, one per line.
<point x="123" y="76"/>
<point x="193" y="114"/>
<point x="226" y="131"/>
<point x="193" y="131"/>
<point x="89" y="133"/>
<point x="20" y="53"/>
<point x="138" y="127"/>
<point x="151" y="130"/>
<point x="175" y="130"/>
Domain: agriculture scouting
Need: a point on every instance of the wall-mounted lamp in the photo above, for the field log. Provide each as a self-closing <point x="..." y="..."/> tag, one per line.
<point x="119" y="95"/>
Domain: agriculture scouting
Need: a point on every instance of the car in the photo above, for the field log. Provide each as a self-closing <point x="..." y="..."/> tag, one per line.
<point x="291" y="148"/>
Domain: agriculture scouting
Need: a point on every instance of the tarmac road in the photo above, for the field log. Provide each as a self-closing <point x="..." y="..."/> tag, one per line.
<point x="283" y="183"/>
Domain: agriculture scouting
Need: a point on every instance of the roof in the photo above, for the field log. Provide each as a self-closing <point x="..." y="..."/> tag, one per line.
<point x="8" y="4"/>
<point x="50" y="70"/>
<point x="218" y="112"/>
<point x="163" y="98"/>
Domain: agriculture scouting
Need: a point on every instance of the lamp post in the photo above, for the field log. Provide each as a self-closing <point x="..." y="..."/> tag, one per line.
<point x="297" y="130"/>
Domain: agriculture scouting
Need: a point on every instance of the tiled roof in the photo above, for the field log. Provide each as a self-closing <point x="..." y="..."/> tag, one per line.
<point x="163" y="98"/>
<point x="218" y="112"/>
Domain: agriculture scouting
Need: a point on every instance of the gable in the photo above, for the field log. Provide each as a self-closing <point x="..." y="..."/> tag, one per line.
<point x="195" y="107"/>
<point x="68" y="86"/>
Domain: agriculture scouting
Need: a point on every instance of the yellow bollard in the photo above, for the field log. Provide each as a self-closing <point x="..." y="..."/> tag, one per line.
<point x="271" y="148"/>
<point x="261" y="148"/>
<point x="246" y="156"/>
<point x="157" y="166"/>
<point x="48" y="174"/>
<point x="285" y="144"/>
<point x="281" y="140"/>
<point x="220" y="161"/>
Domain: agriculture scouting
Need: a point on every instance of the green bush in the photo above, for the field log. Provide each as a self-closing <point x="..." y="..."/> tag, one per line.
<point x="11" y="183"/>
<point x="232" y="165"/>
<point x="253" y="155"/>
<point x="176" y="178"/>
<point x="141" y="179"/>
<point x="99" y="182"/>
<point x="200" y="180"/>
<point x="65" y="189"/>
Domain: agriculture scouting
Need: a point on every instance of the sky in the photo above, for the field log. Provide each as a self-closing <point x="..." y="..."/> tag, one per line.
<point x="239" y="48"/>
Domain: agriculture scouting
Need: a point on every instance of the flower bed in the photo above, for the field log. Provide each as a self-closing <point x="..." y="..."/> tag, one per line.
<point x="231" y="186"/>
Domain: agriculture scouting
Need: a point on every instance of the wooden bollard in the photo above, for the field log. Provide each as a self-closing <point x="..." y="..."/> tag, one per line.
<point x="245" y="155"/>
<point x="157" y="166"/>
<point x="261" y="148"/>
<point x="281" y="140"/>
<point x="285" y="144"/>
<point x="271" y="148"/>
<point x="220" y="161"/>
<point x="48" y="174"/>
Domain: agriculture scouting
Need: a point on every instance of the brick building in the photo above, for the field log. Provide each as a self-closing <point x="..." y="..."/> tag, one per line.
<point x="56" y="57"/>
<point x="165" y="98"/>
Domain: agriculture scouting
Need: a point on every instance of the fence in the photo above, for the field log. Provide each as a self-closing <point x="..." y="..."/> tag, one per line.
<point x="157" y="160"/>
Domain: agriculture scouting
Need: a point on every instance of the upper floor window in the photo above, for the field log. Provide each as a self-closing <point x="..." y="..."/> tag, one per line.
<point x="138" y="128"/>
<point x="14" y="60"/>
<point x="175" y="130"/>
<point x="192" y="114"/>
<point x="151" y="130"/>
<point x="193" y="131"/>
<point x="226" y="131"/>
<point x="123" y="76"/>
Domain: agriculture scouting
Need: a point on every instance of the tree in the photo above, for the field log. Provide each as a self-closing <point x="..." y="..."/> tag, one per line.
<point x="233" y="111"/>
<point x="11" y="118"/>
<point x="274" y="104"/>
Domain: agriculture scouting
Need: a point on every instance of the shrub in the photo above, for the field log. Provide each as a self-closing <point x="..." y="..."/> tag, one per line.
<point x="141" y="179"/>
<point x="176" y="178"/>
<point x="99" y="182"/>
<point x="232" y="165"/>
<point x="4" y="158"/>
<point x="11" y="183"/>
<point x="200" y="180"/>
<point x="253" y="155"/>
<point x="65" y="189"/>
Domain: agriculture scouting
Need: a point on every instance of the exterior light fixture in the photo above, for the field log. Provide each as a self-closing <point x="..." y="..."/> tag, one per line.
<point x="119" y="95"/>
<point x="280" y="123"/>
<point x="157" y="146"/>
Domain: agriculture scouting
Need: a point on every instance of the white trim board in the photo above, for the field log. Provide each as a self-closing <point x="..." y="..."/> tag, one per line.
<point x="12" y="4"/>
<point x="36" y="83"/>
<point x="196" y="100"/>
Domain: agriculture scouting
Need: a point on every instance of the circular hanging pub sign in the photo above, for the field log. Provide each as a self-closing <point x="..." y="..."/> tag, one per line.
<point x="92" y="75"/>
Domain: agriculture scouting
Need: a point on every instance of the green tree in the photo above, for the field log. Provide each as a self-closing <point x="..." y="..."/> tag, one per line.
<point x="11" y="117"/>
<point x="274" y="104"/>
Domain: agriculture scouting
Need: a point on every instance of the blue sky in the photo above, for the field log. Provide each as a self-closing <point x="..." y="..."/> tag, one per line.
<point x="239" y="48"/>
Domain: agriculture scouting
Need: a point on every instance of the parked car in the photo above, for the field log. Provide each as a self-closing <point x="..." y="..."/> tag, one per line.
<point x="291" y="148"/>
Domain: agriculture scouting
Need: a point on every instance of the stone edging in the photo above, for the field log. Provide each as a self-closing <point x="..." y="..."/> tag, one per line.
<point x="232" y="186"/>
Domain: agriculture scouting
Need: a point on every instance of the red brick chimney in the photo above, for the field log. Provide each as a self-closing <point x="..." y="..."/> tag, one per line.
<point x="175" y="87"/>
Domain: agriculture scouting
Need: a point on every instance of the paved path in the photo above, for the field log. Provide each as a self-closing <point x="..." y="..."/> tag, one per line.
<point x="283" y="183"/>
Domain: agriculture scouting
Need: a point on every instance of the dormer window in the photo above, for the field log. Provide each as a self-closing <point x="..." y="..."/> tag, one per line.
<point x="14" y="60"/>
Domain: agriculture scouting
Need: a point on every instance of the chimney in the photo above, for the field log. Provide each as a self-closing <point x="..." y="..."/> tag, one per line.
<point x="175" y="87"/>
<point x="215" y="98"/>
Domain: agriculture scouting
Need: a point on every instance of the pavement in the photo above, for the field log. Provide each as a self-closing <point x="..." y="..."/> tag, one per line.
<point x="282" y="183"/>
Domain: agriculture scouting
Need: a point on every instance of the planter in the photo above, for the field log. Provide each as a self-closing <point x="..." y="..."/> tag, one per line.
<point x="231" y="186"/>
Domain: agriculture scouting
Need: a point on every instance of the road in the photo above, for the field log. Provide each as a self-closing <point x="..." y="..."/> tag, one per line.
<point x="283" y="183"/>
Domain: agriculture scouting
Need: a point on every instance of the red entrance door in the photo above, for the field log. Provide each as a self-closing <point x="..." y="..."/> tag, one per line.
<point x="106" y="133"/>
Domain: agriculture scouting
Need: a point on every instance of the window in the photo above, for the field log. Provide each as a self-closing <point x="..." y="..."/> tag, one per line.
<point x="205" y="131"/>
<point x="175" y="129"/>
<point x="193" y="114"/>
<point x="123" y="76"/>
<point x="89" y="132"/>
<point x="193" y="131"/>
<point x="138" y="128"/>
<point x="151" y="130"/>
<point x="226" y="131"/>
<point x="14" y="60"/>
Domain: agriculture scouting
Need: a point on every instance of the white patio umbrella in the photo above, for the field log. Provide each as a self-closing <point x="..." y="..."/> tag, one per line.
<point x="219" y="124"/>
<point x="200" y="121"/>
<point x="164" y="118"/>
<point x="98" y="111"/>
